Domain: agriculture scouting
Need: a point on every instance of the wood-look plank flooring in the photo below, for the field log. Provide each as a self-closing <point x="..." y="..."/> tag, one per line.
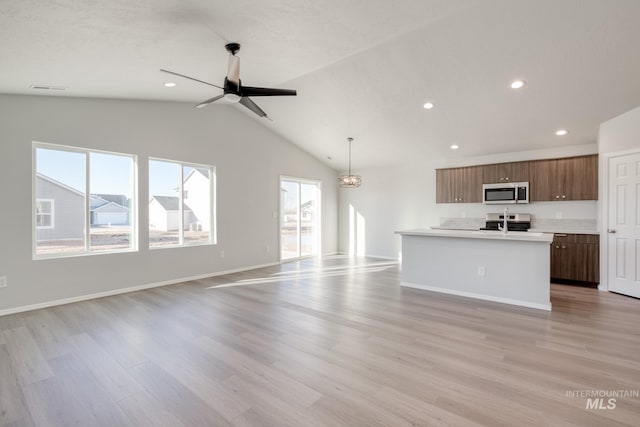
<point x="323" y="342"/>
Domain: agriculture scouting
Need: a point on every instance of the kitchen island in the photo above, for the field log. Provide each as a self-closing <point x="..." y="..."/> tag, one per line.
<point x="511" y="268"/>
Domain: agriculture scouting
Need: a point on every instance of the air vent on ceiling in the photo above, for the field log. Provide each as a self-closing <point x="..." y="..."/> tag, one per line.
<point x="47" y="87"/>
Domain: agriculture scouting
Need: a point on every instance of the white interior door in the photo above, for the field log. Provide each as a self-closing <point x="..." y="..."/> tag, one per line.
<point x="624" y="225"/>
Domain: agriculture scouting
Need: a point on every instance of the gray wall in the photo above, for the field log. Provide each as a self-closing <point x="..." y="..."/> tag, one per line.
<point x="248" y="158"/>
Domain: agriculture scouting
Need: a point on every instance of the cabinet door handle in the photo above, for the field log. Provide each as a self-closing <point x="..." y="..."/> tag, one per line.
<point x="557" y="197"/>
<point x="611" y="231"/>
<point x="557" y="247"/>
<point x="506" y="179"/>
<point x="564" y="247"/>
<point x="564" y="197"/>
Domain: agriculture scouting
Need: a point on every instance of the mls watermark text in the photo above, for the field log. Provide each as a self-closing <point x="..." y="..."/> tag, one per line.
<point x="602" y="399"/>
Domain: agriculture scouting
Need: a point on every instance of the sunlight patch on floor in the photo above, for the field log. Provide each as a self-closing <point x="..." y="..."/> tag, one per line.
<point x="317" y="273"/>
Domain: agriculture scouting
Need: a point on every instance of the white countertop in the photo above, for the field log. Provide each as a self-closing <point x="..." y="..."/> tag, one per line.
<point x="565" y="231"/>
<point x="480" y="234"/>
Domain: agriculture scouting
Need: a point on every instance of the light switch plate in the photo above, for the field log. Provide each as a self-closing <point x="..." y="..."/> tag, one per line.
<point x="3" y="281"/>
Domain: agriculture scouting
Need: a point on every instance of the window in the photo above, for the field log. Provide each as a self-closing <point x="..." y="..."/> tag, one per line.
<point x="67" y="222"/>
<point x="181" y="204"/>
<point x="44" y="213"/>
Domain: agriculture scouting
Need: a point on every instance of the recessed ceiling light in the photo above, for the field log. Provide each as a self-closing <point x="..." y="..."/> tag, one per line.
<point x="169" y="84"/>
<point x="517" y="84"/>
<point x="428" y="105"/>
<point x="454" y="147"/>
<point x="562" y="132"/>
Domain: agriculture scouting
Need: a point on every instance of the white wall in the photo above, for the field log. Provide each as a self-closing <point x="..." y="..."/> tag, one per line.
<point x="403" y="197"/>
<point x="620" y="133"/>
<point x="248" y="158"/>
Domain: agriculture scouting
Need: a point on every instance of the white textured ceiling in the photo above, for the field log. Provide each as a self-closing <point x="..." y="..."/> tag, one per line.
<point x="362" y="68"/>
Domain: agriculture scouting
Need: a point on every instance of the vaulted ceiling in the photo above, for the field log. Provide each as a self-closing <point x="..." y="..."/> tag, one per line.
<point x="362" y="68"/>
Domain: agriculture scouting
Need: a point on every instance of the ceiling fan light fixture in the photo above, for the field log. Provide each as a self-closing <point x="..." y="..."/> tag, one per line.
<point x="169" y="84"/>
<point x="350" y="180"/>
<point x="232" y="97"/>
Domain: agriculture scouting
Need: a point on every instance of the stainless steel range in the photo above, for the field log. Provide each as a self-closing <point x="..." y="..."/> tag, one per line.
<point x="515" y="222"/>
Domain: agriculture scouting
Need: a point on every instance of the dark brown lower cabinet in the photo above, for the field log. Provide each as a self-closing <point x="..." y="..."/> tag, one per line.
<point x="576" y="258"/>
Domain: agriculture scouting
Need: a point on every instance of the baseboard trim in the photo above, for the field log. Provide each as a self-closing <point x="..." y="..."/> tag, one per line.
<point x="71" y="300"/>
<point x="370" y="256"/>
<point x="383" y="257"/>
<point x="546" y="307"/>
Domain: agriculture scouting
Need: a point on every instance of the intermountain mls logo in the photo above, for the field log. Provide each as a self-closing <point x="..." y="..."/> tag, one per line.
<point x="602" y="399"/>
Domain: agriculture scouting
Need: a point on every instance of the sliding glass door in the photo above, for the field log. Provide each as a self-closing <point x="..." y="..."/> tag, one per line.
<point x="299" y="218"/>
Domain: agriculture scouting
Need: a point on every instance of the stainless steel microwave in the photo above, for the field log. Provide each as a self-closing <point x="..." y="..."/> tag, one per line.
<point x="505" y="193"/>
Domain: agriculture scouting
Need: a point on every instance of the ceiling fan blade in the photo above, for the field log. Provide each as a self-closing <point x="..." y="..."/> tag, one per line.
<point x="190" y="78"/>
<point x="208" y="101"/>
<point x="233" y="70"/>
<point x="265" y="91"/>
<point x="252" y="106"/>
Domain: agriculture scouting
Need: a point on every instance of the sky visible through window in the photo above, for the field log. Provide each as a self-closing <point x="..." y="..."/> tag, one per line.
<point x="163" y="178"/>
<point x="106" y="172"/>
<point x="68" y="167"/>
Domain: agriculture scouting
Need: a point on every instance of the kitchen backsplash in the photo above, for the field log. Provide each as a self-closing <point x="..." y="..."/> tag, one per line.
<point x="566" y="225"/>
<point x="462" y="223"/>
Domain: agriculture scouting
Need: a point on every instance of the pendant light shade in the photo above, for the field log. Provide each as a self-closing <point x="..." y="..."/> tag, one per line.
<point x="349" y="181"/>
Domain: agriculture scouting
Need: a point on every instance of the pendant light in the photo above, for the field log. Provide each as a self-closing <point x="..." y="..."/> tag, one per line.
<point x="350" y="181"/>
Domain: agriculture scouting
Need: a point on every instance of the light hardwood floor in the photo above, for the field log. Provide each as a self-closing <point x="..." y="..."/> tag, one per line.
<point x="331" y="342"/>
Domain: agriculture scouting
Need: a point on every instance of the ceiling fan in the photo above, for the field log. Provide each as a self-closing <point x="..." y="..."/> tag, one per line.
<point x="233" y="90"/>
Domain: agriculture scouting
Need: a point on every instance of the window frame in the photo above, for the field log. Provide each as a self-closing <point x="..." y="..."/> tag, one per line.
<point x="213" y="231"/>
<point x="51" y="214"/>
<point x="135" y="229"/>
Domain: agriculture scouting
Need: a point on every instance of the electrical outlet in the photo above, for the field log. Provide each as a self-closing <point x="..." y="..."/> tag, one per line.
<point x="267" y="248"/>
<point x="3" y="281"/>
<point x="559" y="215"/>
<point x="481" y="270"/>
<point x="221" y="254"/>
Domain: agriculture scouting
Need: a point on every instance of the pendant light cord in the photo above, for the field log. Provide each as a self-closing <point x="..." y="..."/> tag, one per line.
<point x="350" y="140"/>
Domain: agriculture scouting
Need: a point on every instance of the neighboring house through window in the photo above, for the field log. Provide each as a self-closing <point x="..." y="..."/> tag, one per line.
<point x="44" y="213"/>
<point x="174" y="220"/>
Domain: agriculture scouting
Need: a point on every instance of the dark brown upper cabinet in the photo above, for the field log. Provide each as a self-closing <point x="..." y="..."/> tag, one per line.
<point x="505" y="172"/>
<point x="572" y="178"/>
<point x="459" y="185"/>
